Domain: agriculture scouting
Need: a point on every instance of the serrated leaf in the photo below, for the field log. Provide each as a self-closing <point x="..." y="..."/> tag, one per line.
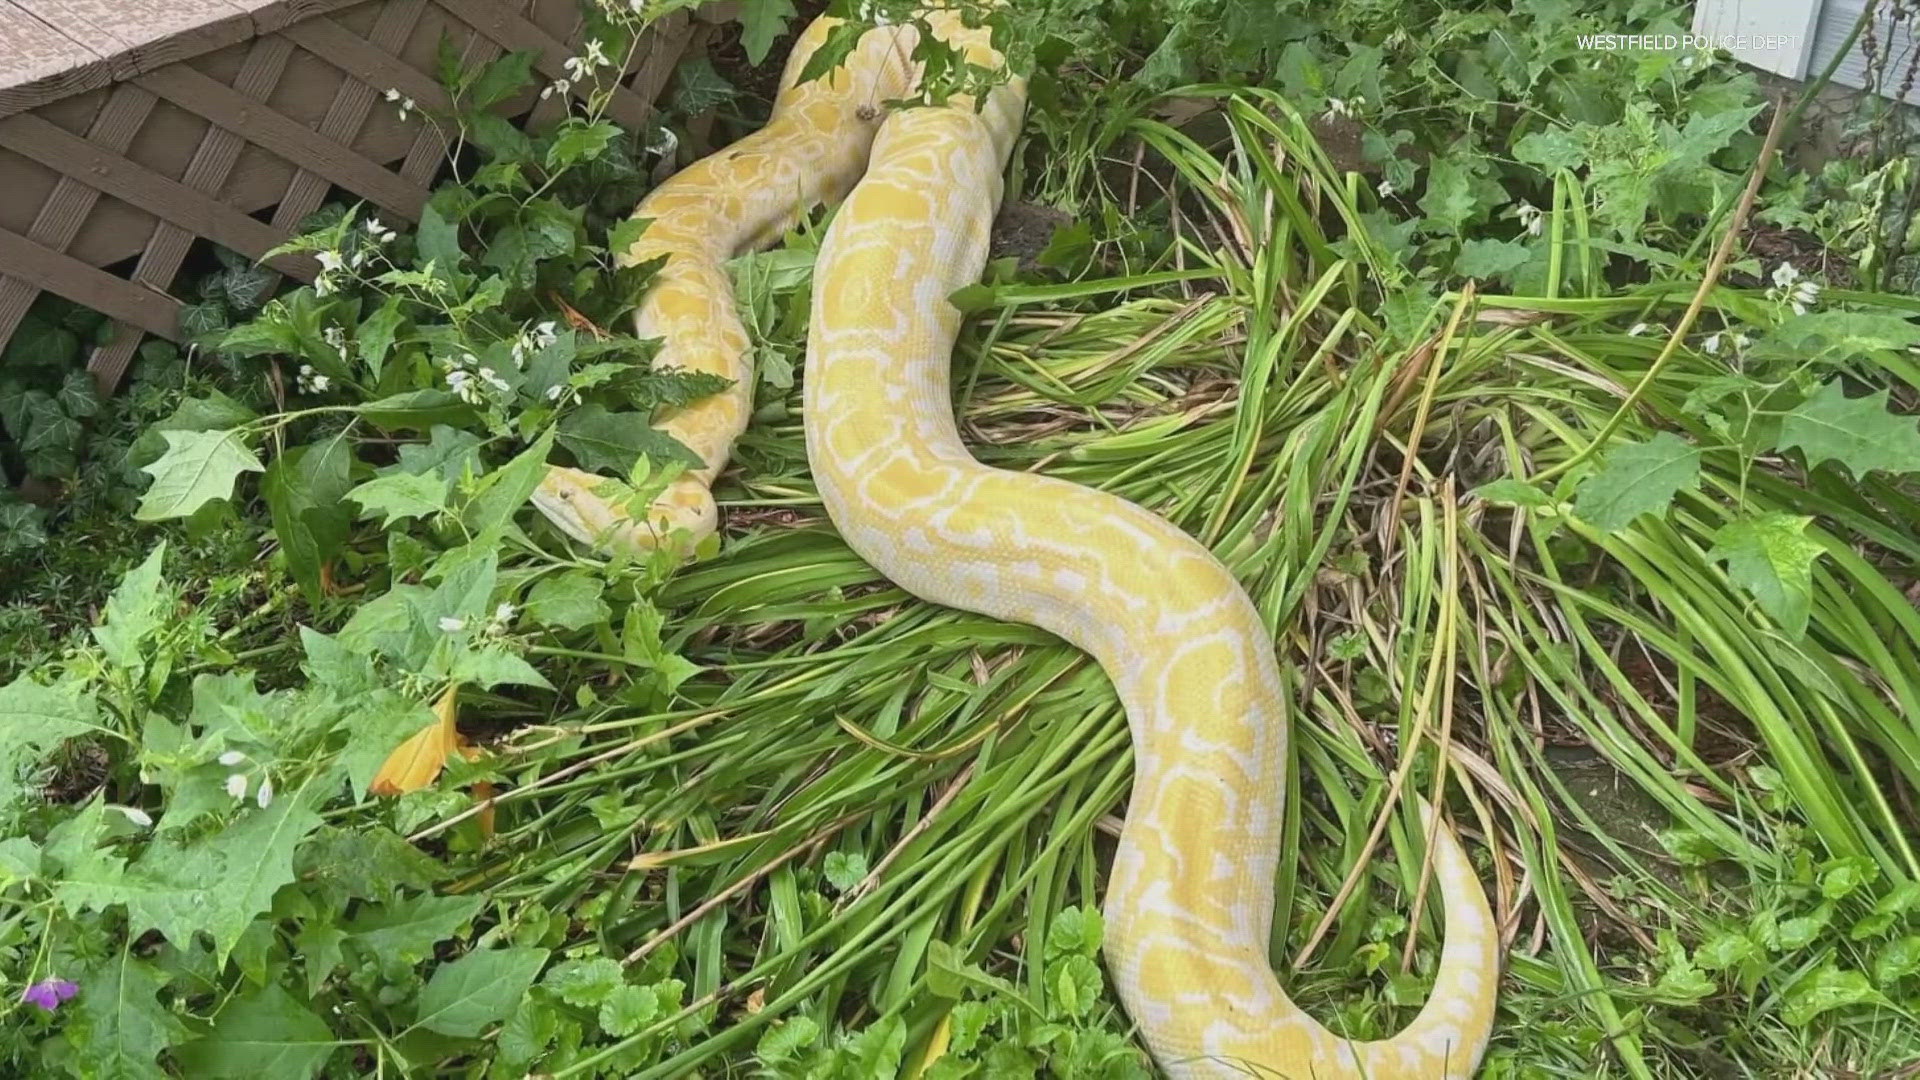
<point x="196" y="468"/>
<point x="579" y="141"/>
<point x="265" y="1034"/>
<point x="450" y="452"/>
<point x="1859" y="433"/>
<point x="628" y="1009"/>
<point x="1772" y="557"/>
<point x="127" y="1027"/>
<point x="401" y="495"/>
<point x="611" y="442"/>
<point x="493" y="666"/>
<point x="1490" y="259"/>
<point x="761" y="24"/>
<point x="585" y="983"/>
<point x="437" y="241"/>
<point x="463" y="997"/>
<point x="570" y="600"/>
<point x="136" y="608"/>
<point x="409" y="928"/>
<point x="375" y="337"/>
<point x="504" y="491"/>
<point x="1637" y="478"/>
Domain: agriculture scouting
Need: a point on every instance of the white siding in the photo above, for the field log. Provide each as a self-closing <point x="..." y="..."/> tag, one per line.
<point x="1778" y="34"/>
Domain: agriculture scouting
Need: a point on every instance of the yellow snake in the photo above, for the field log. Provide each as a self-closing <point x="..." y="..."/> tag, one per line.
<point x="1189" y="902"/>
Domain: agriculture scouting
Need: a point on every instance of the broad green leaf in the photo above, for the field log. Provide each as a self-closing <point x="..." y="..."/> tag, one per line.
<point x="1771" y="556"/>
<point x="33" y="720"/>
<point x="417" y="410"/>
<point x="585" y="983"/>
<point x="409" y="928"/>
<point x="197" y="467"/>
<point x="1859" y="433"/>
<point x="501" y="79"/>
<point x="1827" y="989"/>
<point x="367" y="862"/>
<point x="19" y="860"/>
<point x="628" y="1009"/>
<point x="215" y="412"/>
<point x="493" y="666"/>
<point x="305" y="488"/>
<point x="77" y="395"/>
<point x="787" y="1038"/>
<point x="570" y="600"/>
<point x="450" y="452"/>
<point x="376" y="334"/>
<point x="463" y="997"/>
<point x="437" y="241"/>
<point x="400" y="495"/>
<point x="127" y="1027"/>
<point x="1637" y="478"/>
<point x="761" y="24"/>
<point x="505" y="490"/>
<point x="265" y="1034"/>
<point x="318" y="947"/>
<point x="138" y="607"/>
<point x="611" y="442"/>
<point x="1490" y="259"/>
<point x="1450" y="199"/>
<point x="579" y="141"/>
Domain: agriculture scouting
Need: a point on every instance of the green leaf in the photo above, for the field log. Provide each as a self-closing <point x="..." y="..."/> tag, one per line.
<point x="501" y="79"/>
<point x="197" y="467"/>
<point x="19" y="860"/>
<point x="625" y="233"/>
<point x="1491" y="259"/>
<point x="306" y="489"/>
<point x="417" y="410"/>
<point x="577" y="141"/>
<point x="409" y="928"/>
<point x="1508" y="491"/>
<point x="449" y="452"/>
<point x="505" y="490"/>
<point x="127" y="1027"/>
<point x="585" y="983"/>
<point x="318" y="946"/>
<point x="136" y="609"/>
<point x="569" y="600"/>
<point x="761" y="24"/>
<point x="219" y="885"/>
<point x="628" y="1009"/>
<point x="78" y="396"/>
<point x="437" y="241"/>
<point x="612" y="442"/>
<point x="265" y="1034"/>
<point x="1828" y="989"/>
<point x="1449" y="200"/>
<point x="375" y="336"/>
<point x="367" y="862"/>
<point x="843" y="870"/>
<point x="33" y="720"/>
<point x="1637" y="478"/>
<point x="48" y="425"/>
<point x="785" y="1040"/>
<point x="397" y="496"/>
<point x="494" y="666"/>
<point x="1860" y="433"/>
<point x="1772" y="557"/>
<point x="463" y="997"/>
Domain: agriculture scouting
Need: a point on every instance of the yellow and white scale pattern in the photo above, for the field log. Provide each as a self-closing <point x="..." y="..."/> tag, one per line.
<point x="1189" y="904"/>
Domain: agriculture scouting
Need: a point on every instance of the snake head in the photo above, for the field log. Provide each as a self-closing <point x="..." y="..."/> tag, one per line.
<point x="588" y="508"/>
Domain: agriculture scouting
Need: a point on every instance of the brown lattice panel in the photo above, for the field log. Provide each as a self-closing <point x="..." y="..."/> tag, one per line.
<point x="129" y="128"/>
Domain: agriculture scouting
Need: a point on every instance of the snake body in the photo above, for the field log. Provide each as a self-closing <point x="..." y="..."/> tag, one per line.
<point x="1189" y="902"/>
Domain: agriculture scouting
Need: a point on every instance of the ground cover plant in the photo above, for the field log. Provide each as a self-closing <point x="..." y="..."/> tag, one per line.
<point x="1563" y="433"/>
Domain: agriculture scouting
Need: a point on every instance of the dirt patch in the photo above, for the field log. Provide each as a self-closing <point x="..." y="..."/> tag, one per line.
<point x="758" y="83"/>
<point x="1023" y="230"/>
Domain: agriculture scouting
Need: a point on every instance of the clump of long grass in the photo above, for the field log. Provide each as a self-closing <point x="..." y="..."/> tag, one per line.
<point x="1642" y="759"/>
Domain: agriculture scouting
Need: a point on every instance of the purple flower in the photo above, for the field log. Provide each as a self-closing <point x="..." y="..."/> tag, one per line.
<point x="49" y="993"/>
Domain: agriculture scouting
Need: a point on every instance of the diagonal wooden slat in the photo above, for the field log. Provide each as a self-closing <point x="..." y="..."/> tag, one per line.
<point x="292" y="140"/>
<point x="66" y="209"/>
<point x="152" y="311"/>
<point x="28" y="135"/>
<point x="212" y="161"/>
<point x="513" y="31"/>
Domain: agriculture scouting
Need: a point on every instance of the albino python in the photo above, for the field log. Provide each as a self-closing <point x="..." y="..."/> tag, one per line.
<point x="1189" y="902"/>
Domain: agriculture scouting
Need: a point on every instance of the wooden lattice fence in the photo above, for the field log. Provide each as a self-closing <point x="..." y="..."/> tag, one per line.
<point x="129" y="128"/>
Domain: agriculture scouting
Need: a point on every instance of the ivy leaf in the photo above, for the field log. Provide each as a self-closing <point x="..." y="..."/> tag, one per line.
<point x="266" y="1033"/>
<point x="761" y="24"/>
<point x="1859" y="433"/>
<point x="1637" y="478"/>
<point x="1771" y="557"/>
<point x="569" y="600"/>
<point x="48" y="425"/>
<point x="463" y="997"/>
<point x="197" y="468"/>
<point x="612" y="442"/>
<point x="397" y="496"/>
<point x="22" y="527"/>
<point x="77" y="395"/>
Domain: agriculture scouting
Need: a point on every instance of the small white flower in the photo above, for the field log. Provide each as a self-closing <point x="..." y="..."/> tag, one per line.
<point x="135" y="815"/>
<point x="1785" y="274"/>
<point x="265" y="795"/>
<point x="335" y="337"/>
<point x="554" y="392"/>
<point x="232" y="758"/>
<point x="505" y="612"/>
<point x="237" y="785"/>
<point x="1337" y="107"/>
<point x="391" y="94"/>
<point x="329" y="261"/>
<point x="1741" y="341"/>
<point x="560" y="86"/>
<point x="1532" y="218"/>
<point x="1712" y="344"/>
<point x="374" y="227"/>
<point x="452" y="624"/>
<point x="1637" y="329"/>
<point x="355" y="260"/>
<point x="1805" y="294"/>
<point x="318" y="384"/>
<point x="546" y="92"/>
<point x="544" y="334"/>
<point x="576" y="69"/>
<point x="495" y="381"/>
<point x="1386" y="188"/>
<point x="462" y="384"/>
<point x="597" y="56"/>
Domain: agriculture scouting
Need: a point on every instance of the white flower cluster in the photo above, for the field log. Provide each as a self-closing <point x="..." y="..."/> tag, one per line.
<point x="1532" y="218"/>
<point x="406" y="103"/>
<point x="1343" y="107"/>
<point x="310" y="381"/>
<point x="237" y="782"/>
<point x="532" y="341"/>
<point x="1789" y="286"/>
<point x="579" y="67"/>
<point x="469" y="381"/>
<point x="1737" y="339"/>
<point x="502" y="619"/>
